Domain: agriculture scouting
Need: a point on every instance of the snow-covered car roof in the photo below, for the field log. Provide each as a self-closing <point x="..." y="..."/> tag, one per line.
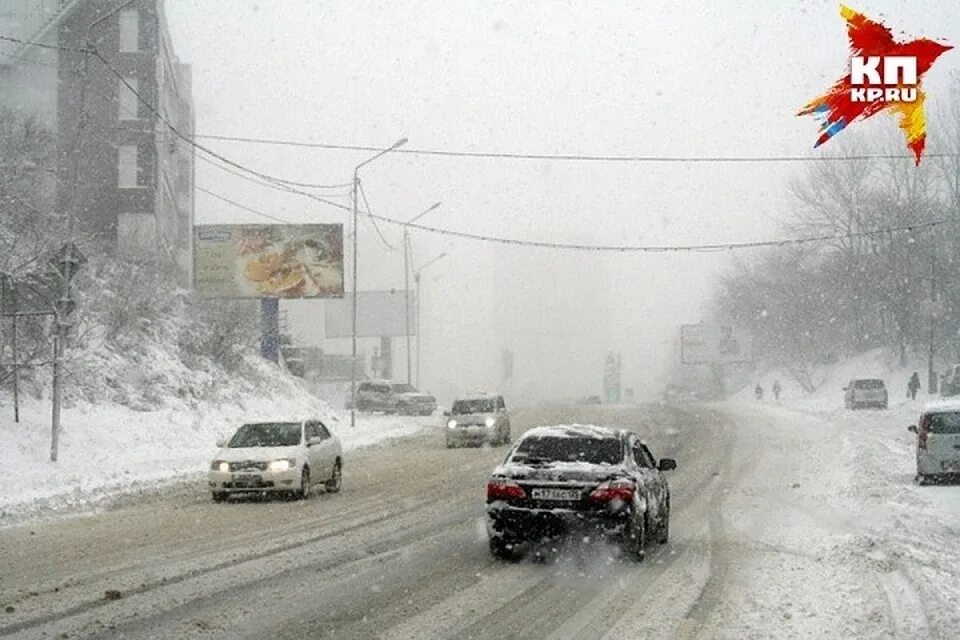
<point x="953" y="404"/>
<point x="477" y="396"/>
<point x="572" y="431"/>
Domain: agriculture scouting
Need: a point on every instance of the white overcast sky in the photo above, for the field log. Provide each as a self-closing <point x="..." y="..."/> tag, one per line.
<point x="686" y="78"/>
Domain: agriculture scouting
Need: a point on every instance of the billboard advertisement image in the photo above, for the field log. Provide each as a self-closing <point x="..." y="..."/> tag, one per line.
<point x="269" y="261"/>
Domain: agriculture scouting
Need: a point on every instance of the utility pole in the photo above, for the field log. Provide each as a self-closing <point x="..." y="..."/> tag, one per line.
<point x="406" y="281"/>
<point x="353" y="350"/>
<point x="931" y="374"/>
<point x="66" y="265"/>
<point x="419" y="336"/>
<point x="16" y="371"/>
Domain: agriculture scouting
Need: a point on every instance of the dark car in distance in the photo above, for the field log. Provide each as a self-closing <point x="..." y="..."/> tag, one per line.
<point x="562" y="479"/>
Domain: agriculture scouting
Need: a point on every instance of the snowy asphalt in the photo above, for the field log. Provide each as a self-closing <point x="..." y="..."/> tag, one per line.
<point x="758" y="549"/>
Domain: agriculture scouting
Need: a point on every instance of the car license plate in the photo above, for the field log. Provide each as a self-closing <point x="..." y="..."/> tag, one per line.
<point x="555" y="494"/>
<point x="246" y="481"/>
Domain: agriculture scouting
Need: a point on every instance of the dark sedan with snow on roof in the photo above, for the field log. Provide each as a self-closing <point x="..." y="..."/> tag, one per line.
<point x="561" y="479"/>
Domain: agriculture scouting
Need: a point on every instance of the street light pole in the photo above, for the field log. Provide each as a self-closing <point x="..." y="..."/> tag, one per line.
<point x="353" y="362"/>
<point x="406" y="277"/>
<point x="416" y="277"/>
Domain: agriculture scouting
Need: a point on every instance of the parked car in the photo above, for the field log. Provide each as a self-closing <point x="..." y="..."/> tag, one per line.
<point x="938" y="441"/>
<point x="376" y="395"/>
<point x="557" y="480"/>
<point x="865" y="392"/>
<point x="409" y="401"/>
<point x="476" y="420"/>
<point x="268" y="457"/>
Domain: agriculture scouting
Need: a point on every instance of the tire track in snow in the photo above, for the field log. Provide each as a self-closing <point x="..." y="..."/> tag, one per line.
<point x="907" y="610"/>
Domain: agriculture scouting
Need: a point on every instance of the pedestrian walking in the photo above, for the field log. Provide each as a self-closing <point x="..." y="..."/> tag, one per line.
<point x="758" y="392"/>
<point x="913" y="386"/>
<point x="776" y="390"/>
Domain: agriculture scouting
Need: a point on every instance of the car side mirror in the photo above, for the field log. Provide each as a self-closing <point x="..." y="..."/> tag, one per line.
<point x="446" y="414"/>
<point x="221" y="443"/>
<point x="667" y="464"/>
<point x="912" y="428"/>
<point x="313" y="441"/>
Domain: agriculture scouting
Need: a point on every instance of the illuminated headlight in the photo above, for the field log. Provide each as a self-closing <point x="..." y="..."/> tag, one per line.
<point x="490" y="422"/>
<point x="220" y="465"/>
<point x="452" y="424"/>
<point x="282" y="465"/>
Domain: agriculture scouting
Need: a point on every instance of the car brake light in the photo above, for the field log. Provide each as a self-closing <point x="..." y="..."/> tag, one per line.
<point x="923" y="431"/>
<point x="501" y="489"/>
<point x="621" y="490"/>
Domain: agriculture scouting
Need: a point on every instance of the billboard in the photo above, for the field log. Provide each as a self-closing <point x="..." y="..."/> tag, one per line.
<point x="379" y="314"/>
<point x="268" y="260"/>
<point x="714" y="344"/>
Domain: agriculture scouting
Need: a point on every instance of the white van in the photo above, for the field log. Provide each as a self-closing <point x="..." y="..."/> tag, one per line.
<point x="938" y="441"/>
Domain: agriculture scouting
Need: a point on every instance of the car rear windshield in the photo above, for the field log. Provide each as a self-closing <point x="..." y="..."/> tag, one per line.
<point x="868" y="384"/>
<point x="404" y="388"/>
<point x="376" y="388"/>
<point x="946" y="423"/>
<point x="567" y="449"/>
<point x="466" y="407"/>
<point x="266" y="434"/>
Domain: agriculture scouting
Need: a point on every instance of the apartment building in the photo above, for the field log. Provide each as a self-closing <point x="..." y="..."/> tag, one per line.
<point x="122" y="173"/>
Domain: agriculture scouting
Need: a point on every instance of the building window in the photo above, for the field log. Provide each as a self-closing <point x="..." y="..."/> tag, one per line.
<point x="129" y="105"/>
<point x="127" y="166"/>
<point x="135" y="166"/>
<point x="146" y="166"/>
<point x="129" y="30"/>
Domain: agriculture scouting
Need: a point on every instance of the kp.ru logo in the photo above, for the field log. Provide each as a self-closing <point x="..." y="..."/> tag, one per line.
<point x="885" y="75"/>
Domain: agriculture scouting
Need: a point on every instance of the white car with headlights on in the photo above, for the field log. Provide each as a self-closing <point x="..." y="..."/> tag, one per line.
<point x="477" y="420"/>
<point x="277" y="457"/>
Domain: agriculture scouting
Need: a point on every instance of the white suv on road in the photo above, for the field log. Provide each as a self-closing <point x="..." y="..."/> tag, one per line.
<point x="938" y="441"/>
<point x="476" y="420"/>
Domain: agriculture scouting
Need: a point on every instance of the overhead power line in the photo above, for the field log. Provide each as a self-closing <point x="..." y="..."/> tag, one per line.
<point x="241" y="206"/>
<point x="288" y="186"/>
<point x="565" y="157"/>
<point x="41" y="45"/>
<point x="373" y="218"/>
<point x="560" y="157"/>
<point x="690" y="248"/>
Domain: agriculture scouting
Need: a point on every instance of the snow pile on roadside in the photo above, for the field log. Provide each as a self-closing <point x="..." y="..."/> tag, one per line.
<point x="108" y="449"/>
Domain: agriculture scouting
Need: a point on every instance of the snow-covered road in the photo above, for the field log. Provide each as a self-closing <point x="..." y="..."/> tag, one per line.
<point x="787" y="523"/>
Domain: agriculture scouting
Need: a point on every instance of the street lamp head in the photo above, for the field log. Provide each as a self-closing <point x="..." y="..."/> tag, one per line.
<point x="399" y="143"/>
<point x="423" y="213"/>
